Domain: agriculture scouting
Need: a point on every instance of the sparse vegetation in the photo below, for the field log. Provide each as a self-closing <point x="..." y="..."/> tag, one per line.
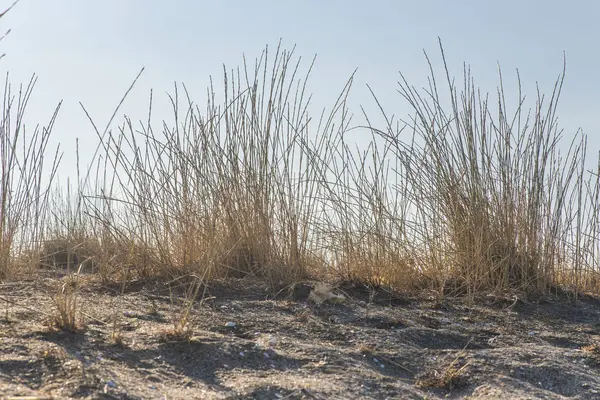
<point x="66" y="314"/>
<point x="450" y="377"/>
<point x="464" y="197"/>
<point x="182" y="316"/>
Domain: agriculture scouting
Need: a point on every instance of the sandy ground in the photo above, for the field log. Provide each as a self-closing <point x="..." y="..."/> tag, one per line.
<point x="246" y="343"/>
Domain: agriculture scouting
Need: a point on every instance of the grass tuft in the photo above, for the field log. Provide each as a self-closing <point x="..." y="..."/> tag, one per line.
<point x="466" y="195"/>
<point x="66" y="308"/>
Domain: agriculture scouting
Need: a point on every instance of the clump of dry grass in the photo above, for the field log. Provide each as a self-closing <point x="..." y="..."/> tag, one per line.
<point x="466" y="204"/>
<point x="450" y="378"/>
<point x="24" y="181"/>
<point x="592" y="352"/>
<point x="68" y="243"/>
<point x="495" y="203"/>
<point x="66" y="315"/>
<point x="24" y="178"/>
<point x="592" y="349"/>
<point x="183" y="318"/>
<point x="475" y="198"/>
<point x="116" y="334"/>
<point x="453" y="376"/>
<point x="234" y="187"/>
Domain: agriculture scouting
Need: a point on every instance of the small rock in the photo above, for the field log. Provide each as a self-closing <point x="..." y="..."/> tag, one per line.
<point x="109" y="384"/>
<point x="230" y="324"/>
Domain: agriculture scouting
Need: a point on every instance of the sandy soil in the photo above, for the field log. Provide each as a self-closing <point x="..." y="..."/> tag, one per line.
<point x="246" y="343"/>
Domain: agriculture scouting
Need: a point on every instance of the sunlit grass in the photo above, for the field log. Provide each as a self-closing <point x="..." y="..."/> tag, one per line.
<point x="465" y="198"/>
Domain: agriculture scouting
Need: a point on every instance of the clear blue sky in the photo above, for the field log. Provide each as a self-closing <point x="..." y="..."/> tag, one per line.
<point x="90" y="51"/>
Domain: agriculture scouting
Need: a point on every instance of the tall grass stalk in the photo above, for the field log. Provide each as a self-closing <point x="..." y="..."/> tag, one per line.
<point x="498" y="200"/>
<point x="24" y="183"/>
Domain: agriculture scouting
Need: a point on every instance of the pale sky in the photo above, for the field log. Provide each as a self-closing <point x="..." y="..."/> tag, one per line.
<point x="90" y="51"/>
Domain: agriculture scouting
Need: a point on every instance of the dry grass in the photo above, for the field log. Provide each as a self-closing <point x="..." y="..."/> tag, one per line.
<point x="450" y="378"/>
<point x="182" y="316"/>
<point x="66" y="315"/>
<point x="453" y="376"/>
<point x="468" y="198"/>
<point x="497" y="204"/>
<point x="24" y="193"/>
